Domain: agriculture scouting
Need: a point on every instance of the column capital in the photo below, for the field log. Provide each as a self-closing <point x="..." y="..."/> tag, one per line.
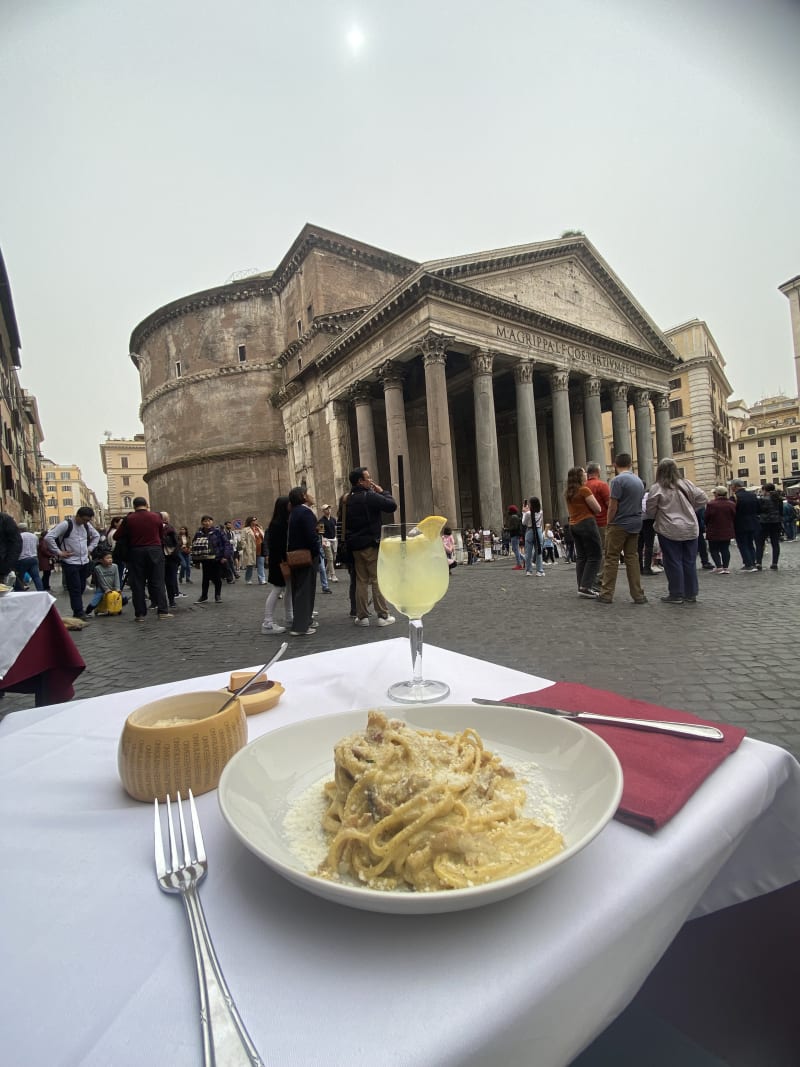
<point x="559" y="380"/>
<point x="592" y="387"/>
<point x="481" y="363"/>
<point x="361" y="392"/>
<point x="641" y="398"/>
<point x="620" y="391"/>
<point x="523" y="372"/>
<point x="391" y="373"/>
<point x="660" y="401"/>
<point x="433" y="348"/>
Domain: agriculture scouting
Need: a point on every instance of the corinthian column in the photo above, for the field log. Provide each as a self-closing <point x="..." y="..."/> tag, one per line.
<point x="663" y="426"/>
<point x="593" y="421"/>
<point x="433" y="349"/>
<point x="578" y="433"/>
<point x="529" y="466"/>
<point x="562" y="432"/>
<point x="341" y="451"/>
<point x="361" y="395"/>
<point x="619" y="419"/>
<point x="392" y="376"/>
<point x="644" y="440"/>
<point x="491" y="506"/>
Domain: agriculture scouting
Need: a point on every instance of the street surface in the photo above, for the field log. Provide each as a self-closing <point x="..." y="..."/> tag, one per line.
<point x="732" y="657"/>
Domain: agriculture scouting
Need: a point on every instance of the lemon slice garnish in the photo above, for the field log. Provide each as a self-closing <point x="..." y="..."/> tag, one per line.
<point x="432" y="526"/>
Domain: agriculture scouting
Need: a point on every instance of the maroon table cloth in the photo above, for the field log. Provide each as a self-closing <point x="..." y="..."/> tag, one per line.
<point x="48" y="665"/>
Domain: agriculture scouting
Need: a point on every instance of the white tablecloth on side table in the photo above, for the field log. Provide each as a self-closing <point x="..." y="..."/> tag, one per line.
<point x="97" y="962"/>
<point x="21" y="615"/>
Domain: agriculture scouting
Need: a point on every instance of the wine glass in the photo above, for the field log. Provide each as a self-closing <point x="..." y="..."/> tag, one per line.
<point x="413" y="574"/>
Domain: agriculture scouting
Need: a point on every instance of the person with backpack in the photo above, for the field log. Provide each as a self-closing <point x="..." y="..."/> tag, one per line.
<point x="73" y="541"/>
<point x="211" y="550"/>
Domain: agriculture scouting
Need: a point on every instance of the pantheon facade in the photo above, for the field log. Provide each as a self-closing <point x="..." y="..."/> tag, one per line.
<point x="488" y="373"/>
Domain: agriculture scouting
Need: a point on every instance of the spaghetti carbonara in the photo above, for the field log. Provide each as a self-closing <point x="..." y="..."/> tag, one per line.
<point x="425" y="810"/>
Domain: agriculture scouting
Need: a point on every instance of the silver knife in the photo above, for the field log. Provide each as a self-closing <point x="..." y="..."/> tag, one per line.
<point x="679" y="729"/>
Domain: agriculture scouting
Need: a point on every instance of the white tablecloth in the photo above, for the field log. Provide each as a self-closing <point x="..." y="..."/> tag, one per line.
<point x="21" y="615"/>
<point x="97" y="964"/>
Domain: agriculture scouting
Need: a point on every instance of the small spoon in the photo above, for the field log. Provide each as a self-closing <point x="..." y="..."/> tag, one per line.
<point x="259" y="672"/>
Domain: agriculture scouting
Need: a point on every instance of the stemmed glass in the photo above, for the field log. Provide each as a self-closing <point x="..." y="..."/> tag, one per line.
<point x="413" y="575"/>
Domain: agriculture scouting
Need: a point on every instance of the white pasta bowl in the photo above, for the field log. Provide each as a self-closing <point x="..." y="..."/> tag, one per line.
<point x="577" y="774"/>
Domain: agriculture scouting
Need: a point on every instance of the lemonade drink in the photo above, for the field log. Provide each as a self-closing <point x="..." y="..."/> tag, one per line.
<point x="413" y="574"/>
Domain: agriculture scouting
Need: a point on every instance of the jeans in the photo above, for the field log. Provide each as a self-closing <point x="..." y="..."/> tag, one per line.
<point x="529" y="553"/>
<point x="588" y="551"/>
<point x="745" y="542"/>
<point x="323" y="574"/>
<point x="185" y="566"/>
<point x="515" y="549"/>
<point x="75" y="577"/>
<point x="790" y="528"/>
<point x="680" y="566"/>
<point x="720" y="553"/>
<point x="146" y="567"/>
<point x="771" y="530"/>
<point x="28" y="565"/>
<point x="262" y="576"/>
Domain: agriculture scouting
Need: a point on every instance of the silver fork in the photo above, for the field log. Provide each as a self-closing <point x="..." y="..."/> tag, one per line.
<point x="226" y="1042"/>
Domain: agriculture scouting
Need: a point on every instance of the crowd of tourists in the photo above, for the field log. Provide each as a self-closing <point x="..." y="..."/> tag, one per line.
<point x="673" y="521"/>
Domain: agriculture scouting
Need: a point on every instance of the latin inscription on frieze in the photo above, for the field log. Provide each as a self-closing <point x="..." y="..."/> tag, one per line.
<point x="551" y="346"/>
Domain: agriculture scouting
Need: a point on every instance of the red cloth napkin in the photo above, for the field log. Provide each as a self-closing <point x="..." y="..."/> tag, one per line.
<point x="660" y="771"/>
<point x="48" y="664"/>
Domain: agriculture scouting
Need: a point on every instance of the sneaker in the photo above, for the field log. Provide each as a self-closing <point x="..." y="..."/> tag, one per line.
<point x="758" y="566"/>
<point x="648" y="571"/>
<point x="641" y="600"/>
<point x="361" y="622"/>
<point x="88" y="611"/>
<point x="303" y="633"/>
<point x="518" y="567"/>
<point x="165" y="615"/>
<point x="386" y="620"/>
<point x="590" y="594"/>
<point x="672" y="600"/>
<point x="328" y="591"/>
<point x="690" y="600"/>
<point x="334" y="578"/>
<point x="82" y="615"/>
<point x="202" y="599"/>
<point x="603" y="599"/>
<point x="99" y="614"/>
<point x="272" y="628"/>
<point x="750" y="570"/>
<point x="249" y="581"/>
<point x="140" y="618"/>
<point x="217" y="599"/>
<point x="724" y="570"/>
<point x="314" y="614"/>
<point x="773" y="566"/>
<point x="709" y="567"/>
<point x="178" y="596"/>
<point x="540" y="574"/>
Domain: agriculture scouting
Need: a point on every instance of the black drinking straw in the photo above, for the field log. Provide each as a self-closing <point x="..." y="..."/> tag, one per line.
<point x="401" y="480"/>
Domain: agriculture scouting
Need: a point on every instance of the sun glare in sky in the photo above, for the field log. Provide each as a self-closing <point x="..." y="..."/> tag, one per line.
<point x="355" y="39"/>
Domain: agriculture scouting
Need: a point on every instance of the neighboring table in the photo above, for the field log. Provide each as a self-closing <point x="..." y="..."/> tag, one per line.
<point x="37" y="655"/>
<point x="98" y="965"/>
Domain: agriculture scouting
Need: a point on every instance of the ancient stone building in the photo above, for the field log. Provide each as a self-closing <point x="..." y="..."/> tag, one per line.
<point x="488" y="373"/>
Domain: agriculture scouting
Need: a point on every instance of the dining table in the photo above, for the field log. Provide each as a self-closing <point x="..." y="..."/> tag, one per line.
<point x="98" y="967"/>
<point x="37" y="654"/>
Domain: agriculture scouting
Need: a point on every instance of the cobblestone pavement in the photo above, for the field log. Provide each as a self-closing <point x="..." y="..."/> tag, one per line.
<point x="731" y="657"/>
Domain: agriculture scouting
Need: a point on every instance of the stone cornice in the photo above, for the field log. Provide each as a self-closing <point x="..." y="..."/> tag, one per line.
<point x="257" y="285"/>
<point x="425" y="285"/>
<point x="281" y="397"/>
<point x="203" y="376"/>
<point x="311" y="237"/>
<point x="334" y="323"/>
<point x="213" y="455"/>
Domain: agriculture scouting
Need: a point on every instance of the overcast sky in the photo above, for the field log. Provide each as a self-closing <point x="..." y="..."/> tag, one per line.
<point x="154" y="148"/>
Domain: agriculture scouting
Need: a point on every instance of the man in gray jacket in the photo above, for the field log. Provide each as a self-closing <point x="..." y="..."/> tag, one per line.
<point x="72" y="541"/>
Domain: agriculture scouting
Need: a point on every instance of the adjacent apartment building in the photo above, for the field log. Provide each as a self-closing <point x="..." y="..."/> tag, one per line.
<point x="20" y="430"/>
<point x="65" y="491"/>
<point x="125" y="468"/>
<point x="766" y="441"/>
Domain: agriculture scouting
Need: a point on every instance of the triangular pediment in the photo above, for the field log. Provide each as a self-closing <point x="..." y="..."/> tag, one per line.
<point x="564" y="279"/>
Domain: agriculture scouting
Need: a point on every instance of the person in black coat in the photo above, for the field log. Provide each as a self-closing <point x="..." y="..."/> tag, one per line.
<point x="746" y="524"/>
<point x="303" y="534"/>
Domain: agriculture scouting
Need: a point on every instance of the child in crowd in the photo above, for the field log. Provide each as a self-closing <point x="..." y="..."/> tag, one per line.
<point x="548" y="545"/>
<point x="106" y="577"/>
